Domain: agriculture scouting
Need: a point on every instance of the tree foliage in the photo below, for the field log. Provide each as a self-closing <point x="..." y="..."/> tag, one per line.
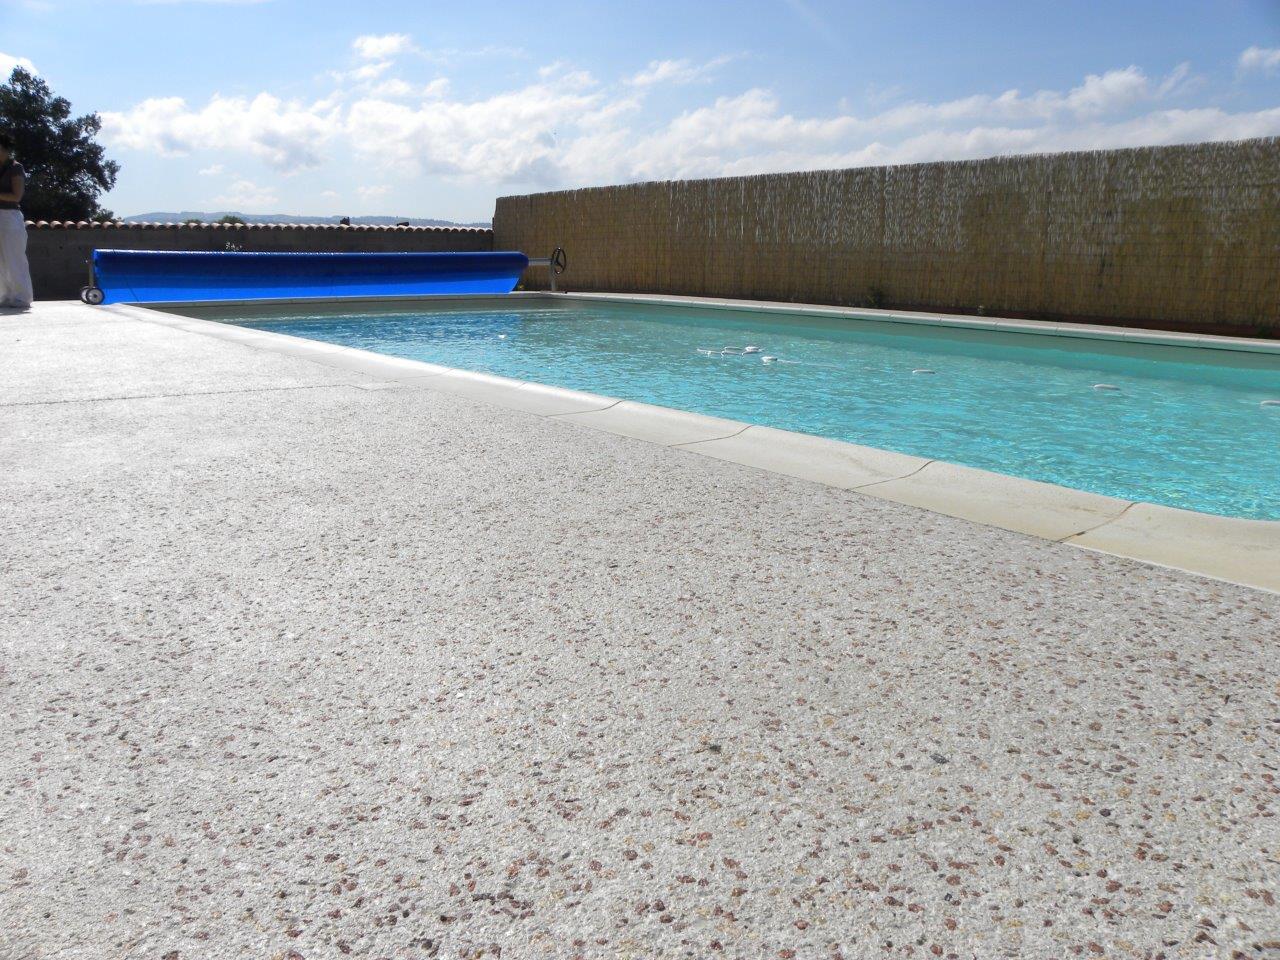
<point x="231" y="220"/>
<point x="67" y="170"/>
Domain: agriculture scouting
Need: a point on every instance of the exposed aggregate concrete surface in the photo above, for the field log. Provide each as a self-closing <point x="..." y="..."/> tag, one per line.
<point x="296" y="669"/>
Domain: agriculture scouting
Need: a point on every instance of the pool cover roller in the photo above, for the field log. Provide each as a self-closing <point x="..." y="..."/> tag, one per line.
<point x="152" y="276"/>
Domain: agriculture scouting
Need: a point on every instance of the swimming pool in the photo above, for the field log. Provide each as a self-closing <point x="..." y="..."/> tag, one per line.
<point x="1192" y="428"/>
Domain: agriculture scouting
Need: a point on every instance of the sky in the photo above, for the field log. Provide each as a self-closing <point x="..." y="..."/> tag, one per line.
<point x="427" y="109"/>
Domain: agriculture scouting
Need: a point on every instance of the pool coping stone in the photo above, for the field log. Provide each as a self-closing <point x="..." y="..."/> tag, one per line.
<point x="1043" y="510"/>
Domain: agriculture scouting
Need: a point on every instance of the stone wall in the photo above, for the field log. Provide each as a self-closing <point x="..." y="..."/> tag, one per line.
<point x="1185" y="237"/>
<point x="59" y="253"/>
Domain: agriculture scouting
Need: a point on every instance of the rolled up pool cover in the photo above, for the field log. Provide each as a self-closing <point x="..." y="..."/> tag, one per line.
<point x="151" y="276"/>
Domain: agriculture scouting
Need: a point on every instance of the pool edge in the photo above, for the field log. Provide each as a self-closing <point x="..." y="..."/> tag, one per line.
<point x="1235" y="550"/>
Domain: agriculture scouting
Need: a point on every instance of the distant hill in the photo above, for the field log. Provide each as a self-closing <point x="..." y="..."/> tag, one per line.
<point x="178" y="217"/>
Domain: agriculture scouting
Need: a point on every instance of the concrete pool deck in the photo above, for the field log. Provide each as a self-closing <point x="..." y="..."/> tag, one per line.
<point x="302" y="659"/>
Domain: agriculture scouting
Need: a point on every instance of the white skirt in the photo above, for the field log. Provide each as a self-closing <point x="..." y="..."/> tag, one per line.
<point x="15" y="277"/>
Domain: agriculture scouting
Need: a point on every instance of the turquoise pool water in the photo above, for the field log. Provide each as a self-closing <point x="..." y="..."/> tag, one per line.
<point x="1184" y="427"/>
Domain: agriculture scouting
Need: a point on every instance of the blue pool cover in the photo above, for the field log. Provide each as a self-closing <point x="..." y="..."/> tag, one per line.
<point x="152" y="276"/>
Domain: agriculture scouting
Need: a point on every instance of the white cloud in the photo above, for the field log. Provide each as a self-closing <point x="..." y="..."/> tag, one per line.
<point x="568" y="130"/>
<point x="675" y="71"/>
<point x="1179" y="81"/>
<point x="212" y="170"/>
<point x="382" y="47"/>
<point x="8" y="62"/>
<point x="380" y="53"/>
<point x="395" y="89"/>
<point x="373" y="192"/>
<point x="566" y="77"/>
<point x="1113" y="90"/>
<point x="247" y="196"/>
<point x="365" y="73"/>
<point x="288" y="135"/>
<point x="507" y="137"/>
<point x="436" y="88"/>
<point x="565" y="128"/>
<point x="1154" y="129"/>
<point x="452" y="54"/>
<point x="1266" y="59"/>
<point x="751" y="133"/>
<point x="1097" y="95"/>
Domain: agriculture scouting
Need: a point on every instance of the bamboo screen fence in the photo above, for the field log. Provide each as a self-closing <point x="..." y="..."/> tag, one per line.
<point x="1184" y="236"/>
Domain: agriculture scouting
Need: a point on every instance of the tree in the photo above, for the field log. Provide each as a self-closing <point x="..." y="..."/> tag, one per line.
<point x="67" y="170"/>
<point x="231" y="220"/>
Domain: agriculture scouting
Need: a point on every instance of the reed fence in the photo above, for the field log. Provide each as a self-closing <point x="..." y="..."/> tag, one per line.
<point x="1186" y="237"/>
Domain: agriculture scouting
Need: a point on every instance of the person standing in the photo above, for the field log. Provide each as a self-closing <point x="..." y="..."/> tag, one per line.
<point x="15" y="275"/>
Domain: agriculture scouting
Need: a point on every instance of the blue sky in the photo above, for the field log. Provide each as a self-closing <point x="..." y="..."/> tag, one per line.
<point x="434" y="109"/>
